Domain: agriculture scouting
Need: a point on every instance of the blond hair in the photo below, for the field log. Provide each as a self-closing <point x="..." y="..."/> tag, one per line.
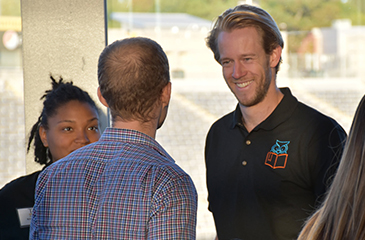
<point x="247" y="16"/>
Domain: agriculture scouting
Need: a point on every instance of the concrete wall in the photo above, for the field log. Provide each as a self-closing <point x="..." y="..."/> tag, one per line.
<point x="63" y="38"/>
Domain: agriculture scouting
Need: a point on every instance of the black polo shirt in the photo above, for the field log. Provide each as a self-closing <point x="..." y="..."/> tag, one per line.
<point x="17" y="198"/>
<point x="264" y="184"/>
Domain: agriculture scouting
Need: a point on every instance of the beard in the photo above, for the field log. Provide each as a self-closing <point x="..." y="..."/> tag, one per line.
<point x="262" y="89"/>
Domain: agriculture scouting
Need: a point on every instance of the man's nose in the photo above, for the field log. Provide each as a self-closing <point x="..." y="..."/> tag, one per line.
<point x="239" y="70"/>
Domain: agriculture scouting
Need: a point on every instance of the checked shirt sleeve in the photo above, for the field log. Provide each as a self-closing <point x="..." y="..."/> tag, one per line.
<point x="174" y="211"/>
<point x="40" y="186"/>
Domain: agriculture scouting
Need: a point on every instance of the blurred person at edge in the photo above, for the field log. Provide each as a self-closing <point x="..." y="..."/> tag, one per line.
<point x="342" y="214"/>
<point x="69" y="120"/>
<point x="125" y="186"/>
<point x="270" y="160"/>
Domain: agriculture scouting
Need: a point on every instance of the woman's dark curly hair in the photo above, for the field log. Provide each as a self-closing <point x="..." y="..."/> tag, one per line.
<point x="60" y="94"/>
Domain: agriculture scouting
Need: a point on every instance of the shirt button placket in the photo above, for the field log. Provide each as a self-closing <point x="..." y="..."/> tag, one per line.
<point x="248" y="143"/>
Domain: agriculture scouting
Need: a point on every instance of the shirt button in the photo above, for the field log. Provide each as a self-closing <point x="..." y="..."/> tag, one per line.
<point x="244" y="163"/>
<point x="248" y="142"/>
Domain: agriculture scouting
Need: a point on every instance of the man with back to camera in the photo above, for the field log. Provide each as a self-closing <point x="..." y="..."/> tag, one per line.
<point x="268" y="162"/>
<point x="125" y="186"/>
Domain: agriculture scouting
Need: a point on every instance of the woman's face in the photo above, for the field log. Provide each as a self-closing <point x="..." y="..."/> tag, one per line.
<point x="74" y="125"/>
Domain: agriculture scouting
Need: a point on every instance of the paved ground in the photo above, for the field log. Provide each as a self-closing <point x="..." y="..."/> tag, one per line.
<point x="183" y="136"/>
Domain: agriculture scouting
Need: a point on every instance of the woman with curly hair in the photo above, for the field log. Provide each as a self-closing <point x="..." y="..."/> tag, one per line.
<point x="69" y="120"/>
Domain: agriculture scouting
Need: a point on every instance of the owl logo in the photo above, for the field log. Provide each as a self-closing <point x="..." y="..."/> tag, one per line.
<point x="278" y="155"/>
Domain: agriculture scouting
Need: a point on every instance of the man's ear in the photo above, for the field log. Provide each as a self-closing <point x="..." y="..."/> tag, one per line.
<point x="43" y="136"/>
<point x="101" y="98"/>
<point x="166" y="94"/>
<point x="275" y="56"/>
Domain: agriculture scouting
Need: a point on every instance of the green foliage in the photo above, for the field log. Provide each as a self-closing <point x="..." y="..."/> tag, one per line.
<point x="207" y="9"/>
<point x="10" y="7"/>
<point x="307" y="14"/>
<point x="298" y="17"/>
<point x="295" y="14"/>
<point x="295" y="40"/>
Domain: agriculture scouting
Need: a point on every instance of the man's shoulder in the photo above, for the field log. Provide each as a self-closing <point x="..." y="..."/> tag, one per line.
<point x="171" y="176"/>
<point x="225" y="121"/>
<point x="72" y="162"/>
<point x="315" y="123"/>
<point x="172" y="169"/>
<point x="313" y="115"/>
<point x="80" y="154"/>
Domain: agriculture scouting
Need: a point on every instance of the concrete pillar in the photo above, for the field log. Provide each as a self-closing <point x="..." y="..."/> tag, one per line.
<point x="63" y="38"/>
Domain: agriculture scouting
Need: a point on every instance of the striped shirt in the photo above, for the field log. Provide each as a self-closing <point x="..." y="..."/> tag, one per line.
<point x="125" y="186"/>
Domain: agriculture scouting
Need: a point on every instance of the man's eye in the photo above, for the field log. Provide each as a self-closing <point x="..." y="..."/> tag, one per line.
<point x="67" y="129"/>
<point x="225" y="62"/>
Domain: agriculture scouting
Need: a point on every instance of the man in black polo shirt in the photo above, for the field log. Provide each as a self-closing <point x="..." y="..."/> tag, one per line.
<point x="269" y="161"/>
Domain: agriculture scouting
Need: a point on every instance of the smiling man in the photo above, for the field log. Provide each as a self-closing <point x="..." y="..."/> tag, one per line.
<point x="270" y="161"/>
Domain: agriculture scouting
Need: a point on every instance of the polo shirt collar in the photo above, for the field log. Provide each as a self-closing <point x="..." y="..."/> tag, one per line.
<point x="281" y="113"/>
<point x="237" y="116"/>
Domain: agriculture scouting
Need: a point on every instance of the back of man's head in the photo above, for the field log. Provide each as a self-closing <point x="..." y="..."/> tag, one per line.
<point x="132" y="74"/>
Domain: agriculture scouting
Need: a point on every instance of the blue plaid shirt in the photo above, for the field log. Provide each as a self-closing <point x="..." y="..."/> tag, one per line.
<point x="125" y="186"/>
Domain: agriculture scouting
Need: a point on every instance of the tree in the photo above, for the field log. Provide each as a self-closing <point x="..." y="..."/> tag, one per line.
<point x="207" y="9"/>
<point x="307" y="14"/>
<point x="10" y="7"/>
<point x="296" y="15"/>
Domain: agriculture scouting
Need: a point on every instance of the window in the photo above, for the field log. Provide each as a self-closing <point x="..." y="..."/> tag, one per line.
<point x="323" y="64"/>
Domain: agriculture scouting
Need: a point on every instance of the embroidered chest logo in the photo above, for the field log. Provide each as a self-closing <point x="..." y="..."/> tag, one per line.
<point x="278" y="155"/>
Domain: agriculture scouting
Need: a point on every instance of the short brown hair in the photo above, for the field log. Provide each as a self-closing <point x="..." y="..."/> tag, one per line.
<point x="247" y="16"/>
<point x="132" y="74"/>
